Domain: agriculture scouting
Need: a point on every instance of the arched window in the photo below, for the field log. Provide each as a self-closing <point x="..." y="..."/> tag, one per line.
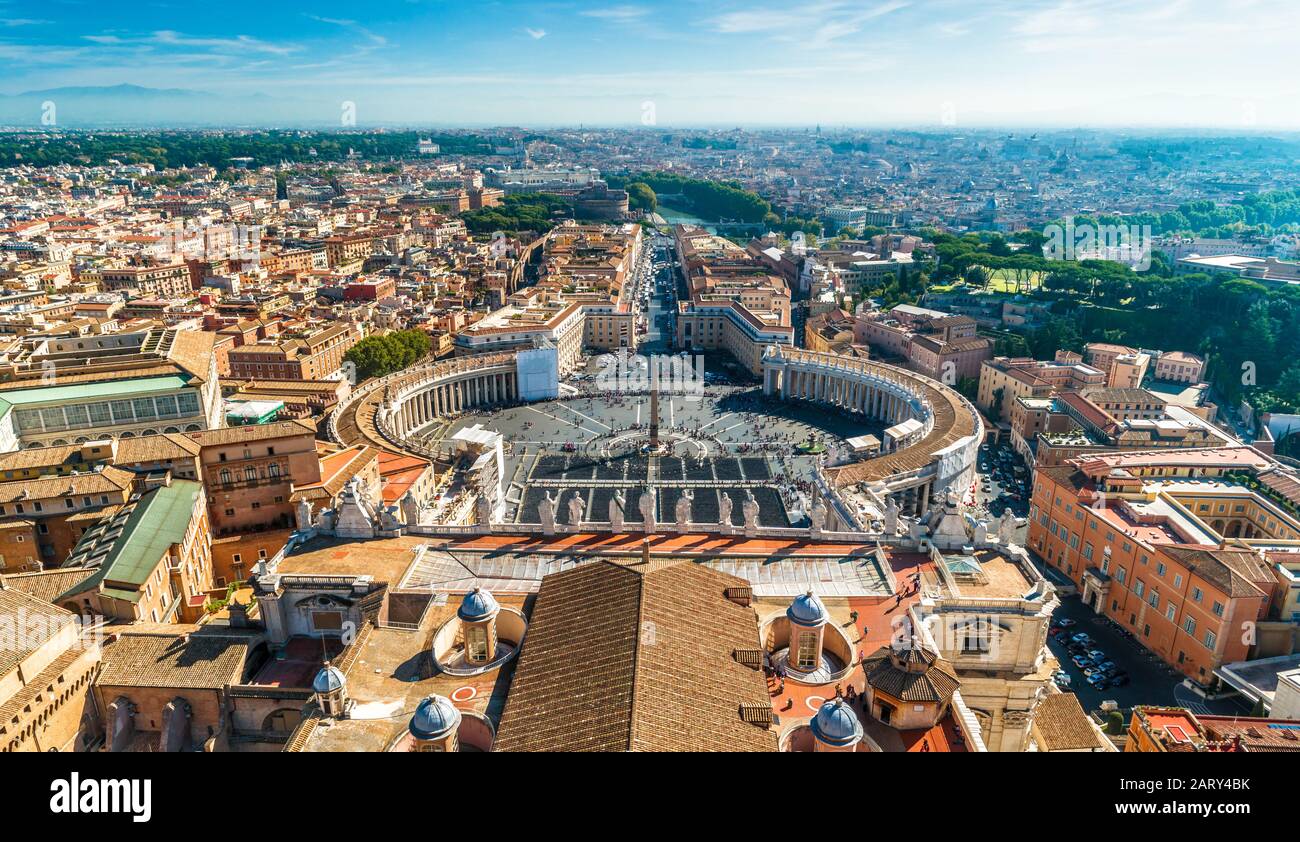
<point x="807" y="650"/>
<point x="476" y="644"/>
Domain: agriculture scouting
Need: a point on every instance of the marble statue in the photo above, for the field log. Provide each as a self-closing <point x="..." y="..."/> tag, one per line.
<point x="818" y="516"/>
<point x="410" y="510"/>
<point x="750" y="509"/>
<point x="616" y="507"/>
<point x="483" y="510"/>
<point x="546" y="511"/>
<point x="303" y="515"/>
<point x="891" y="518"/>
<point x="355" y="517"/>
<point x="388" y="520"/>
<point x="1007" y="527"/>
<point x="724" y="508"/>
<point x="683" y="509"/>
<point x="576" y="508"/>
<point x="647" y="506"/>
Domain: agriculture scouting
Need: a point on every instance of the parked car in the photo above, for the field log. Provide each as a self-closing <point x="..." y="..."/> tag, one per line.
<point x="1081" y="637"/>
<point x="1096" y="656"/>
<point x="1064" y="623"/>
<point x="1079" y="661"/>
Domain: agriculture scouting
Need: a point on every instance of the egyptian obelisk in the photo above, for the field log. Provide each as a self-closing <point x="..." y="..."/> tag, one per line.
<point x="654" y="416"/>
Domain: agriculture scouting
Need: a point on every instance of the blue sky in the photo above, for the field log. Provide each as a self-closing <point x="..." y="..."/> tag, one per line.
<point x="1220" y="63"/>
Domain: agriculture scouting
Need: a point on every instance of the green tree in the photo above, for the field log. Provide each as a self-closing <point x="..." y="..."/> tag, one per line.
<point x="376" y="356"/>
<point x="641" y="197"/>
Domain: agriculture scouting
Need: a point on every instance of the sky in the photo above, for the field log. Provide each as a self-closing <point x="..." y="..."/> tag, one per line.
<point x="1177" y="63"/>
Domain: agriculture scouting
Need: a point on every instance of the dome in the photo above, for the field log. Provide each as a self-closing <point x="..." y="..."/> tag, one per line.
<point x="836" y="724"/>
<point x="477" y="605"/>
<point x="328" y="680"/>
<point x="807" y="610"/>
<point x="434" y="718"/>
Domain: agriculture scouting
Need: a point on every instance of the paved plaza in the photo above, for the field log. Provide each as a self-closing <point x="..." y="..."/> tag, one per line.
<point x="730" y="440"/>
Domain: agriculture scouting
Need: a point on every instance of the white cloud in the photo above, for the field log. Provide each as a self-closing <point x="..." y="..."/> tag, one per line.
<point x="814" y="24"/>
<point x="352" y="25"/>
<point x="619" y="14"/>
<point x="536" y="34"/>
<point x="241" y="43"/>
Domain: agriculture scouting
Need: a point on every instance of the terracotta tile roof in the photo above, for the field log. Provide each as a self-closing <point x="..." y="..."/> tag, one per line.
<point x="253" y="432"/>
<point x="107" y="479"/>
<point x="64" y="378"/>
<point x="1063" y="725"/>
<point x="928" y="678"/>
<point x="1087" y="410"/>
<point x="160" y="448"/>
<point x="192" y="350"/>
<point x="1234" y="572"/>
<point x="129" y="451"/>
<point x="1119" y="394"/>
<point x="635" y="658"/>
<point x="37" y="457"/>
<point x="187" y="657"/>
<point x="1253" y="734"/>
<point x="31" y="611"/>
<point x="336" y="469"/>
<point x="20" y="705"/>
<point x="46" y="585"/>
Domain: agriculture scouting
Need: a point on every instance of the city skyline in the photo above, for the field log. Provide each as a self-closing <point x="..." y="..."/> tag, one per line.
<point x="944" y="63"/>
<point x="908" y="377"/>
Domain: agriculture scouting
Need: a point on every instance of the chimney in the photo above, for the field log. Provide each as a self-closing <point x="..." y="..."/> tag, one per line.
<point x="743" y="595"/>
<point x="238" y="614"/>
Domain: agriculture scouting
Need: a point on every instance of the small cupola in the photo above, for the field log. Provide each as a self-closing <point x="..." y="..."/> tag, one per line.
<point x="435" y="724"/>
<point x="836" y="727"/>
<point x="808" y="620"/>
<point x="478" y="616"/>
<point x="331" y="689"/>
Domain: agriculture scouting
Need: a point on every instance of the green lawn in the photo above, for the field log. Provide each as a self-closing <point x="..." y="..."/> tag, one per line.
<point x="1004" y="280"/>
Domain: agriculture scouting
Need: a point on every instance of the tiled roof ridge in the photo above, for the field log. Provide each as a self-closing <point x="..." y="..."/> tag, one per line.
<point x="636" y="659"/>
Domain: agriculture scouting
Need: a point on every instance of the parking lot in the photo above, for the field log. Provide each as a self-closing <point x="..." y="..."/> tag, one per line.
<point x="1150" y="681"/>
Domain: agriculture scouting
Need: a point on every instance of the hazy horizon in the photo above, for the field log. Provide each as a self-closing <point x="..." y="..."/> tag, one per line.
<point x="1178" y="64"/>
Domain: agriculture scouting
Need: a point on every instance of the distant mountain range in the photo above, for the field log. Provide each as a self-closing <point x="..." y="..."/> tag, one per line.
<point x="134" y="105"/>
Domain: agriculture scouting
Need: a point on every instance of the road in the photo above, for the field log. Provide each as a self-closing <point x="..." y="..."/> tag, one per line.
<point x="658" y="338"/>
<point x="1151" y="682"/>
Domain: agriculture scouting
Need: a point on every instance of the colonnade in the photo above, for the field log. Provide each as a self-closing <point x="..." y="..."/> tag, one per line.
<point x="424" y="403"/>
<point x="871" y="389"/>
<point x="854" y="385"/>
<point x="881" y="400"/>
